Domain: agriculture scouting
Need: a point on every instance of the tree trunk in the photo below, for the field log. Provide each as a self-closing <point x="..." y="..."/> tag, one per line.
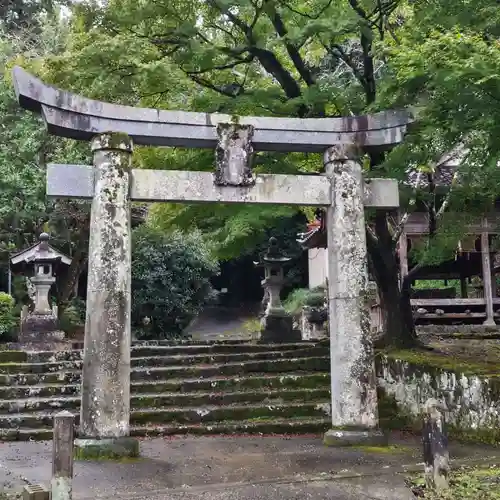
<point x="68" y="286"/>
<point x="399" y="327"/>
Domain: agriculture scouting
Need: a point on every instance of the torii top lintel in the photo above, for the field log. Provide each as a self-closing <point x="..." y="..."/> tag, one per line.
<point x="76" y="117"/>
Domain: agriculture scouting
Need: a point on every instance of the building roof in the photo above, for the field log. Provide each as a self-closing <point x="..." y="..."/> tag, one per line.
<point x="41" y="251"/>
<point x="443" y="176"/>
<point x="444" y="169"/>
<point x="444" y="172"/>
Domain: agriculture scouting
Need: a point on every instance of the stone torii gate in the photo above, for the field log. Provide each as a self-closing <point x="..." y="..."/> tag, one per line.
<point x="112" y="184"/>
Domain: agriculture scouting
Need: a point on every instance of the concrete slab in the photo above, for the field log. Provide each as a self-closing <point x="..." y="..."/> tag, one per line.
<point x="219" y="468"/>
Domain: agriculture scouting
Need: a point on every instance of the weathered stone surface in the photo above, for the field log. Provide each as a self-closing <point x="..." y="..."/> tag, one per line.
<point x="435" y="445"/>
<point x="73" y="116"/>
<point x="261" y="425"/>
<point x="354" y="397"/>
<point x="106" y="449"/>
<point x="344" y="437"/>
<point x="40" y="328"/>
<point x="62" y="457"/>
<point x="77" y="181"/>
<point x="473" y="401"/>
<point x="296" y="381"/>
<point x="106" y="368"/>
<point x="209" y="390"/>
<point x="186" y="415"/>
<point x="458" y="329"/>
<point x="312" y="323"/>
<point x="275" y="328"/>
<point x="35" y="492"/>
<point x="234" y="155"/>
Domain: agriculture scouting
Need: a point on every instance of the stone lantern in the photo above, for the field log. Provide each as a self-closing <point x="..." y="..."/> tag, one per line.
<point x="276" y="324"/>
<point x="40" y="263"/>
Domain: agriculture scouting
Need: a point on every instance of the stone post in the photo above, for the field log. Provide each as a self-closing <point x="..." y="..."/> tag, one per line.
<point x="353" y="388"/>
<point x="403" y="255"/>
<point x="62" y="457"/>
<point x="105" y="409"/>
<point x="487" y="282"/>
<point x="435" y="445"/>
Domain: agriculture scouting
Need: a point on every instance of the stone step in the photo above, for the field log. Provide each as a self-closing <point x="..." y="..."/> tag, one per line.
<point x="164" y="400"/>
<point x="188" y="415"/>
<point x="155" y="361"/>
<point x="156" y="356"/>
<point x="295" y="380"/>
<point x="183" y="360"/>
<point x="155" y="348"/>
<point x="245" y="367"/>
<point x="317" y="363"/>
<point x="39" y="368"/>
<point x="287" y="426"/>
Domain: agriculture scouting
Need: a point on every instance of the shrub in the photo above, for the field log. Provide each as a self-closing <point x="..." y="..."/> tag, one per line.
<point x="72" y="318"/>
<point x="8" y="320"/>
<point x="300" y="297"/>
<point x="170" y="281"/>
<point x="295" y="300"/>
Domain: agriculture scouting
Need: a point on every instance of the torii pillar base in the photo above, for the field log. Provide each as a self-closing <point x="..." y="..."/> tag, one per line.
<point x="106" y="449"/>
<point x="352" y="437"/>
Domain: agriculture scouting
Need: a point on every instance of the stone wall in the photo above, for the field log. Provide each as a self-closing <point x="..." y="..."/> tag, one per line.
<point x="452" y="329"/>
<point x="473" y="401"/>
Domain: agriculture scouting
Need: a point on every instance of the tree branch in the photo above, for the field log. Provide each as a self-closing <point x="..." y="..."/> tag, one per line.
<point x="292" y="50"/>
<point x="370" y="234"/>
<point x="347" y="60"/>
<point x="446" y="201"/>
<point x="245" y="28"/>
<point x="267" y="59"/>
<point x="368" y="70"/>
<point x="209" y="85"/>
<point x="271" y="64"/>
<point x="308" y="16"/>
<point x="233" y="64"/>
<point x="411" y="203"/>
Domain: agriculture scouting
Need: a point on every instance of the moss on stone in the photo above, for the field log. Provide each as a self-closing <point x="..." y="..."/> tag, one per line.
<point x="481" y="435"/>
<point x="391" y="416"/>
<point x="195" y="415"/>
<point x="220" y="398"/>
<point x="13" y="357"/>
<point x="430" y="361"/>
<point x="124" y="449"/>
<point x="115" y="139"/>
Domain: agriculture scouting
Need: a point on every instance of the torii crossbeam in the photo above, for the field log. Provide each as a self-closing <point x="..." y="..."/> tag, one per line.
<point x="111" y="183"/>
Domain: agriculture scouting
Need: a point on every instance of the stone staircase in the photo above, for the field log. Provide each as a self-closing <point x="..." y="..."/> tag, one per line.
<point x="178" y="388"/>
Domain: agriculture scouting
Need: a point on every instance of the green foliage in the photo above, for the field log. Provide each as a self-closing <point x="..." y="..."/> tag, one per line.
<point x="302" y="59"/>
<point x="300" y="297"/>
<point x="26" y="149"/>
<point x="170" y="281"/>
<point x="25" y="15"/>
<point x="315" y="299"/>
<point x="8" y="320"/>
<point x="436" y="284"/>
<point x="252" y="326"/>
<point x="72" y="319"/>
<point x="466" y="483"/>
